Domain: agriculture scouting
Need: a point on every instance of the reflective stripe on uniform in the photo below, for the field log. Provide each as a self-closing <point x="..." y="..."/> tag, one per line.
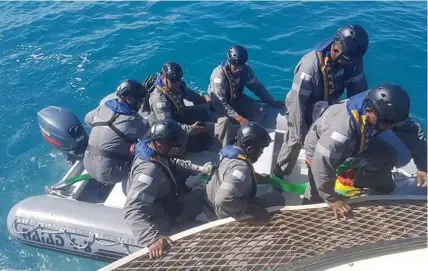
<point x="326" y="152"/>
<point x="227" y="186"/>
<point x="145" y="179"/>
<point x="301" y="90"/>
<point x="338" y="137"/>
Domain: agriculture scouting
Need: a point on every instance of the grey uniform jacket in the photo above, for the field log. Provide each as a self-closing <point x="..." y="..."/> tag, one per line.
<point x="308" y="86"/>
<point x="331" y="140"/>
<point x="219" y="90"/>
<point x="231" y="188"/>
<point x="162" y="108"/>
<point x="149" y="188"/>
<point x="104" y="138"/>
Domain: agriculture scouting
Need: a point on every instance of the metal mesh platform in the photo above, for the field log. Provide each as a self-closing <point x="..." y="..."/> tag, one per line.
<point x="292" y="237"/>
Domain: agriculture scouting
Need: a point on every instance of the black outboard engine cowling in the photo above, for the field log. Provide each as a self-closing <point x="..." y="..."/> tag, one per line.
<point x="63" y="130"/>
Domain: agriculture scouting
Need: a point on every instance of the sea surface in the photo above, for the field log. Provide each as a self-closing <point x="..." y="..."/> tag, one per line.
<point x="72" y="54"/>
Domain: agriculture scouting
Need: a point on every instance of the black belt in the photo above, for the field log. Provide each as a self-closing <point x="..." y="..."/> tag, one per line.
<point x="109" y="154"/>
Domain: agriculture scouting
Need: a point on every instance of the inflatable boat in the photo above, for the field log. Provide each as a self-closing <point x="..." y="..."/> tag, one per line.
<point x="80" y="216"/>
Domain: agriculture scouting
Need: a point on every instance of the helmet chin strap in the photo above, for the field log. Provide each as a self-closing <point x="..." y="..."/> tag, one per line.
<point x="252" y="153"/>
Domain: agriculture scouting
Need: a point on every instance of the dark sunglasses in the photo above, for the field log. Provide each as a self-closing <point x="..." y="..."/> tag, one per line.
<point x="174" y="80"/>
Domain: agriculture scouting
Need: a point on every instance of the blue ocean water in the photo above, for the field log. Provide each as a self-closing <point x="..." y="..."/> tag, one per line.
<point x="72" y="54"/>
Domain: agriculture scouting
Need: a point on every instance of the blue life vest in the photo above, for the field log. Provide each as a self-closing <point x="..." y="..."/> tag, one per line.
<point x="235" y="89"/>
<point x="145" y="153"/>
<point x="229" y="151"/>
<point x="175" y="97"/>
<point x="362" y="129"/>
<point x="119" y="107"/>
<point x="171" y="206"/>
<point x="326" y="68"/>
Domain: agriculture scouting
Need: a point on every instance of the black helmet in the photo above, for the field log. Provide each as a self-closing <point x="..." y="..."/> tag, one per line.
<point x="390" y="103"/>
<point x="169" y="132"/>
<point x="354" y="40"/>
<point x="131" y="88"/>
<point x="253" y="135"/>
<point x="172" y="71"/>
<point x="237" y="55"/>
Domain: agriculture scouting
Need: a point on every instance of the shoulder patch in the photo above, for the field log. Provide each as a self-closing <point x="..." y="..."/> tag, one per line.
<point x="217" y="80"/>
<point x="238" y="174"/>
<point x="147" y="198"/>
<point x="145" y="179"/>
<point x="161" y="105"/>
<point x="305" y="76"/>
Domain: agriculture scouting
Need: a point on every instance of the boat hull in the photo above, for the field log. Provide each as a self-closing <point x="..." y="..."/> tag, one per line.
<point x="71" y="226"/>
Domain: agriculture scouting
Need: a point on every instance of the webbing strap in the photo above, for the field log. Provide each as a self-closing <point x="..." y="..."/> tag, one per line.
<point x="109" y="154"/>
<point x="109" y="123"/>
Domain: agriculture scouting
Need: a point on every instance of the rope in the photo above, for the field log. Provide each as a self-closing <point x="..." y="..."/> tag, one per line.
<point x="89" y="241"/>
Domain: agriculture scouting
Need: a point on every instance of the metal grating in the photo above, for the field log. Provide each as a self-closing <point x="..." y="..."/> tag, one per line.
<point x="291" y="237"/>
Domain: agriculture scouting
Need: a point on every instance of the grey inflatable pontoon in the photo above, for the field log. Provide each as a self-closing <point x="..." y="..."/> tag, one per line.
<point x="86" y="219"/>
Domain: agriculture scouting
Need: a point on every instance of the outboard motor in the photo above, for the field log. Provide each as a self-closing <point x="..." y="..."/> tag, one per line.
<point x="63" y="130"/>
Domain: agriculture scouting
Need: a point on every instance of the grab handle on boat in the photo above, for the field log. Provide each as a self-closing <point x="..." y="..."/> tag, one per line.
<point x="286" y="186"/>
<point x="70" y="181"/>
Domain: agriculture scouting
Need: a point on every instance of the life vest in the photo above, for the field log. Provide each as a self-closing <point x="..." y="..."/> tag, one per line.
<point x="325" y="66"/>
<point x="171" y="205"/>
<point x="118" y="108"/>
<point x="231" y="152"/>
<point x="145" y="153"/>
<point x="148" y="84"/>
<point x="234" y="89"/>
<point x="175" y="97"/>
<point x="362" y="129"/>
